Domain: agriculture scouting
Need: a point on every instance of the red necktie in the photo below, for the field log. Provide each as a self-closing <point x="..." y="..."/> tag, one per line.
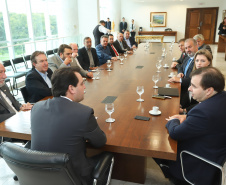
<point x="116" y="53"/>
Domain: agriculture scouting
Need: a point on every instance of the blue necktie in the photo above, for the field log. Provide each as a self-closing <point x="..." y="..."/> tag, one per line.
<point x="186" y="68"/>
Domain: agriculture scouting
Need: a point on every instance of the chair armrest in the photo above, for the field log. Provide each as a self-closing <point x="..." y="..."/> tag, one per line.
<point x="104" y="164"/>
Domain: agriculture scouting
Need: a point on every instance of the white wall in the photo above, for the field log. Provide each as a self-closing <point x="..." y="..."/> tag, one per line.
<point x="176" y="13"/>
<point x="88" y="11"/>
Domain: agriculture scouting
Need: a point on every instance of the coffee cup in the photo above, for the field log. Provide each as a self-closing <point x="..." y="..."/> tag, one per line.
<point x="155" y="109"/>
<point x="174" y="59"/>
<point x="165" y="65"/>
<point x="167" y="85"/>
<point x="172" y="74"/>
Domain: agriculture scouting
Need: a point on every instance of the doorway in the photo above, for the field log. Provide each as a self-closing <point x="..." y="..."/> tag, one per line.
<point x="202" y="21"/>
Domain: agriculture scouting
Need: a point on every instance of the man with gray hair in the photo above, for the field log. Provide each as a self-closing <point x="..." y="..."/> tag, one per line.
<point x="201" y="42"/>
<point x="103" y="51"/>
<point x="8" y="104"/>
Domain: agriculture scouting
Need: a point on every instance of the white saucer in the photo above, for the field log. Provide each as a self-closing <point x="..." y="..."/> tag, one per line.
<point x="165" y="67"/>
<point x="155" y="114"/>
<point x="170" y="76"/>
<point x="94" y="70"/>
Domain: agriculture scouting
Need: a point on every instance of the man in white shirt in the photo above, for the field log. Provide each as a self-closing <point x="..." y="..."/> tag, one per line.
<point x="100" y="30"/>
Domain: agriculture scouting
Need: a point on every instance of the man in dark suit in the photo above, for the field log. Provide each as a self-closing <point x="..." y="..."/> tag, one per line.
<point x="8" y="104"/>
<point x="123" y="25"/>
<point x="113" y="50"/>
<point x="202" y="131"/>
<point x="108" y="24"/>
<point x="201" y="43"/>
<point x="38" y="79"/>
<point x="66" y="124"/>
<point x="121" y="45"/>
<point x="129" y="40"/>
<point x="186" y="68"/>
<point x="183" y="56"/>
<point x="88" y="55"/>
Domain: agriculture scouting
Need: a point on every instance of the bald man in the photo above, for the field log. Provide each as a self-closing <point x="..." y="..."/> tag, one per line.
<point x="121" y="45"/>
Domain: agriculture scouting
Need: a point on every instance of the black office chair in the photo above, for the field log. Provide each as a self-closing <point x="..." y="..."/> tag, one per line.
<point x="55" y="50"/>
<point x="20" y="65"/>
<point x="13" y="74"/>
<point x="222" y="167"/>
<point x="7" y="80"/>
<point x="25" y="94"/>
<point x="27" y="59"/>
<point x="45" y="168"/>
<point x="49" y="53"/>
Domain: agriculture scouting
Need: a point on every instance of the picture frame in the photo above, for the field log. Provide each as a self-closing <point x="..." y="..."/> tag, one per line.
<point x="158" y="19"/>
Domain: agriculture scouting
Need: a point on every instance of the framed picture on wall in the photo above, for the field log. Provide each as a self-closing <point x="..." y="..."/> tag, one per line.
<point x="158" y="19"/>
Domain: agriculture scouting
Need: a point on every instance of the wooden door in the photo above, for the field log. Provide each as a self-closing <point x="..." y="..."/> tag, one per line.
<point x="201" y="21"/>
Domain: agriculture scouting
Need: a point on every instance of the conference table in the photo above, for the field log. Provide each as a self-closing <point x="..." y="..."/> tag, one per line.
<point x="131" y="140"/>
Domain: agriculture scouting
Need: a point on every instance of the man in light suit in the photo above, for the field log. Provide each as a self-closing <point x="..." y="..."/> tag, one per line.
<point x="121" y="45"/>
<point x="123" y="25"/>
<point x="89" y="58"/>
<point x="64" y="58"/>
<point x="8" y="104"/>
<point x="66" y="124"/>
<point x="38" y="79"/>
<point x="202" y="131"/>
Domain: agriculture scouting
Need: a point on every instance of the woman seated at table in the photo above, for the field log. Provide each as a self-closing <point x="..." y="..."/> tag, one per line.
<point x="202" y="58"/>
<point x="222" y="27"/>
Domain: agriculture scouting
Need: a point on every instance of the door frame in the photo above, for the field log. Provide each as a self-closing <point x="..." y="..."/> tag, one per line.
<point x="217" y="9"/>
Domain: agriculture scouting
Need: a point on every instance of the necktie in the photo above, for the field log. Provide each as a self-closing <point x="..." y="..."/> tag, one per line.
<point x="121" y="45"/>
<point x="132" y="26"/>
<point x="90" y="58"/>
<point x="11" y="110"/>
<point x="188" y="64"/>
<point x="116" y="53"/>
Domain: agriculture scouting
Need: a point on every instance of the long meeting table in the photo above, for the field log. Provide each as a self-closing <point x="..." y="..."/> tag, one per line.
<point x="131" y="140"/>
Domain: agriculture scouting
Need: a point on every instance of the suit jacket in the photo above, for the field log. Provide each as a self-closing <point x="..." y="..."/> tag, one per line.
<point x="203" y="133"/>
<point x="181" y="69"/>
<point x="206" y="46"/>
<point x="36" y="86"/>
<point x="123" y="27"/>
<point x="15" y="103"/>
<point x="85" y="62"/>
<point x="108" y="25"/>
<point x="119" y="48"/>
<point x="111" y="50"/>
<point x="55" y="63"/>
<point x="132" y="41"/>
<point x="66" y="131"/>
<point x="181" y="60"/>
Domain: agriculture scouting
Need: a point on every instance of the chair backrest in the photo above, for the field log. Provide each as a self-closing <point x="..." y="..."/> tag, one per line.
<point x="19" y="64"/>
<point x="9" y="68"/>
<point x="36" y="167"/>
<point x="55" y="50"/>
<point x="25" y="94"/>
<point x="49" y="52"/>
<point x="27" y="60"/>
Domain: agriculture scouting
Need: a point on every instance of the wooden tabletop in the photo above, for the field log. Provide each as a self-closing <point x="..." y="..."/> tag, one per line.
<point x="126" y="135"/>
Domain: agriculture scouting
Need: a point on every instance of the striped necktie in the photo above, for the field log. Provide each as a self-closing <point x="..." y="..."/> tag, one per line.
<point x="188" y="64"/>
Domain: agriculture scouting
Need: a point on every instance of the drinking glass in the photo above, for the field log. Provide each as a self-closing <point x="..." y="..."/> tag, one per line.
<point x="155" y="79"/>
<point x="97" y="74"/>
<point x="109" y="108"/>
<point x="109" y="65"/>
<point x="140" y="91"/>
<point x="158" y="65"/>
<point x="121" y="58"/>
<point x="125" y="54"/>
<point x="134" y="50"/>
<point x="163" y="50"/>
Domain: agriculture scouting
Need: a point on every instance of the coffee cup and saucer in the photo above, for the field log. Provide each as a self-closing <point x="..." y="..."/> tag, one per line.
<point x="165" y="66"/>
<point x="155" y="111"/>
<point x="171" y="75"/>
<point x="167" y="86"/>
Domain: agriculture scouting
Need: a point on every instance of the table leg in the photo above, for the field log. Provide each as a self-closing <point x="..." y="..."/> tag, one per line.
<point x="129" y="168"/>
